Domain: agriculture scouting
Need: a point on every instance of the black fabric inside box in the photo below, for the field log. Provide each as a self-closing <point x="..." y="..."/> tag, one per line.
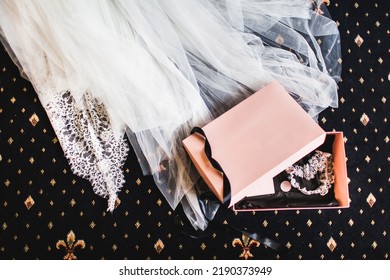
<point x="294" y="198"/>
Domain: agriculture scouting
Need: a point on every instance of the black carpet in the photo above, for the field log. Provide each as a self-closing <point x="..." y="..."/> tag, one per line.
<point x="46" y="212"/>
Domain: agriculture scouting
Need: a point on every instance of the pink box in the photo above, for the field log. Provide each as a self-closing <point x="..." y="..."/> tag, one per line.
<point x="340" y="185"/>
<point x="256" y="140"/>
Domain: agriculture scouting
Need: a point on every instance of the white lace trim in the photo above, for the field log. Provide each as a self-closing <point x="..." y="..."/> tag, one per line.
<point x="88" y="142"/>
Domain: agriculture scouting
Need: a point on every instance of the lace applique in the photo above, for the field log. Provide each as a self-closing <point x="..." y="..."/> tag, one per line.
<point x="87" y="139"/>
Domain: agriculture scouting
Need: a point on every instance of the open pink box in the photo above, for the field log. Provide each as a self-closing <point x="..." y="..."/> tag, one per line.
<point x="259" y="138"/>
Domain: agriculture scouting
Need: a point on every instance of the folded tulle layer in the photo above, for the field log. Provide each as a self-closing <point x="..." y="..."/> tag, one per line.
<point x="158" y="68"/>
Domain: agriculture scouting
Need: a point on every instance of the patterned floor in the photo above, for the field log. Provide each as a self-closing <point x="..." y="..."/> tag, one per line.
<point x="48" y="213"/>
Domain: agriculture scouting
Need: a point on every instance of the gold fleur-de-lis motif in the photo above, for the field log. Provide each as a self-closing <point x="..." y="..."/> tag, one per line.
<point x="70" y="245"/>
<point x="246" y="243"/>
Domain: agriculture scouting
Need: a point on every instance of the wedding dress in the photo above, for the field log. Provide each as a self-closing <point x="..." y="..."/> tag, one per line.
<point x="155" y="69"/>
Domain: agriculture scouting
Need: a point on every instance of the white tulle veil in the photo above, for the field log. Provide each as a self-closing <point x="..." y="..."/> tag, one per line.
<point x="155" y="69"/>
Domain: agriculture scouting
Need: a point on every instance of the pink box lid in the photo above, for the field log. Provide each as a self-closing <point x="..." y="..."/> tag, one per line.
<point x="254" y="141"/>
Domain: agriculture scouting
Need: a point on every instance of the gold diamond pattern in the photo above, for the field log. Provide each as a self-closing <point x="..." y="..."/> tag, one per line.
<point x="159" y="246"/>
<point x="29" y="202"/>
<point x="331" y="244"/>
<point x="364" y="119"/>
<point x="279" y="40"/>
<point x="371" y="199"/>
<point x="34" y="119"/>
<point x="359" y="40"/>
<point x="117" y="202"/>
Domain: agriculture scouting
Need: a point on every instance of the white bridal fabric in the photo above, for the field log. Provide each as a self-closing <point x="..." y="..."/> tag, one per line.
<point x="155" y="69"/>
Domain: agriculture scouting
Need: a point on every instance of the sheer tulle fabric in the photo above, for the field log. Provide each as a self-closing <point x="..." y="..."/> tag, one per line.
<point x="158" y="68"/>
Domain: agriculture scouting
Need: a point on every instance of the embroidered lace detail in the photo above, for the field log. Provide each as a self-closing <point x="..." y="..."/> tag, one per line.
<point x="89" y="143"/>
